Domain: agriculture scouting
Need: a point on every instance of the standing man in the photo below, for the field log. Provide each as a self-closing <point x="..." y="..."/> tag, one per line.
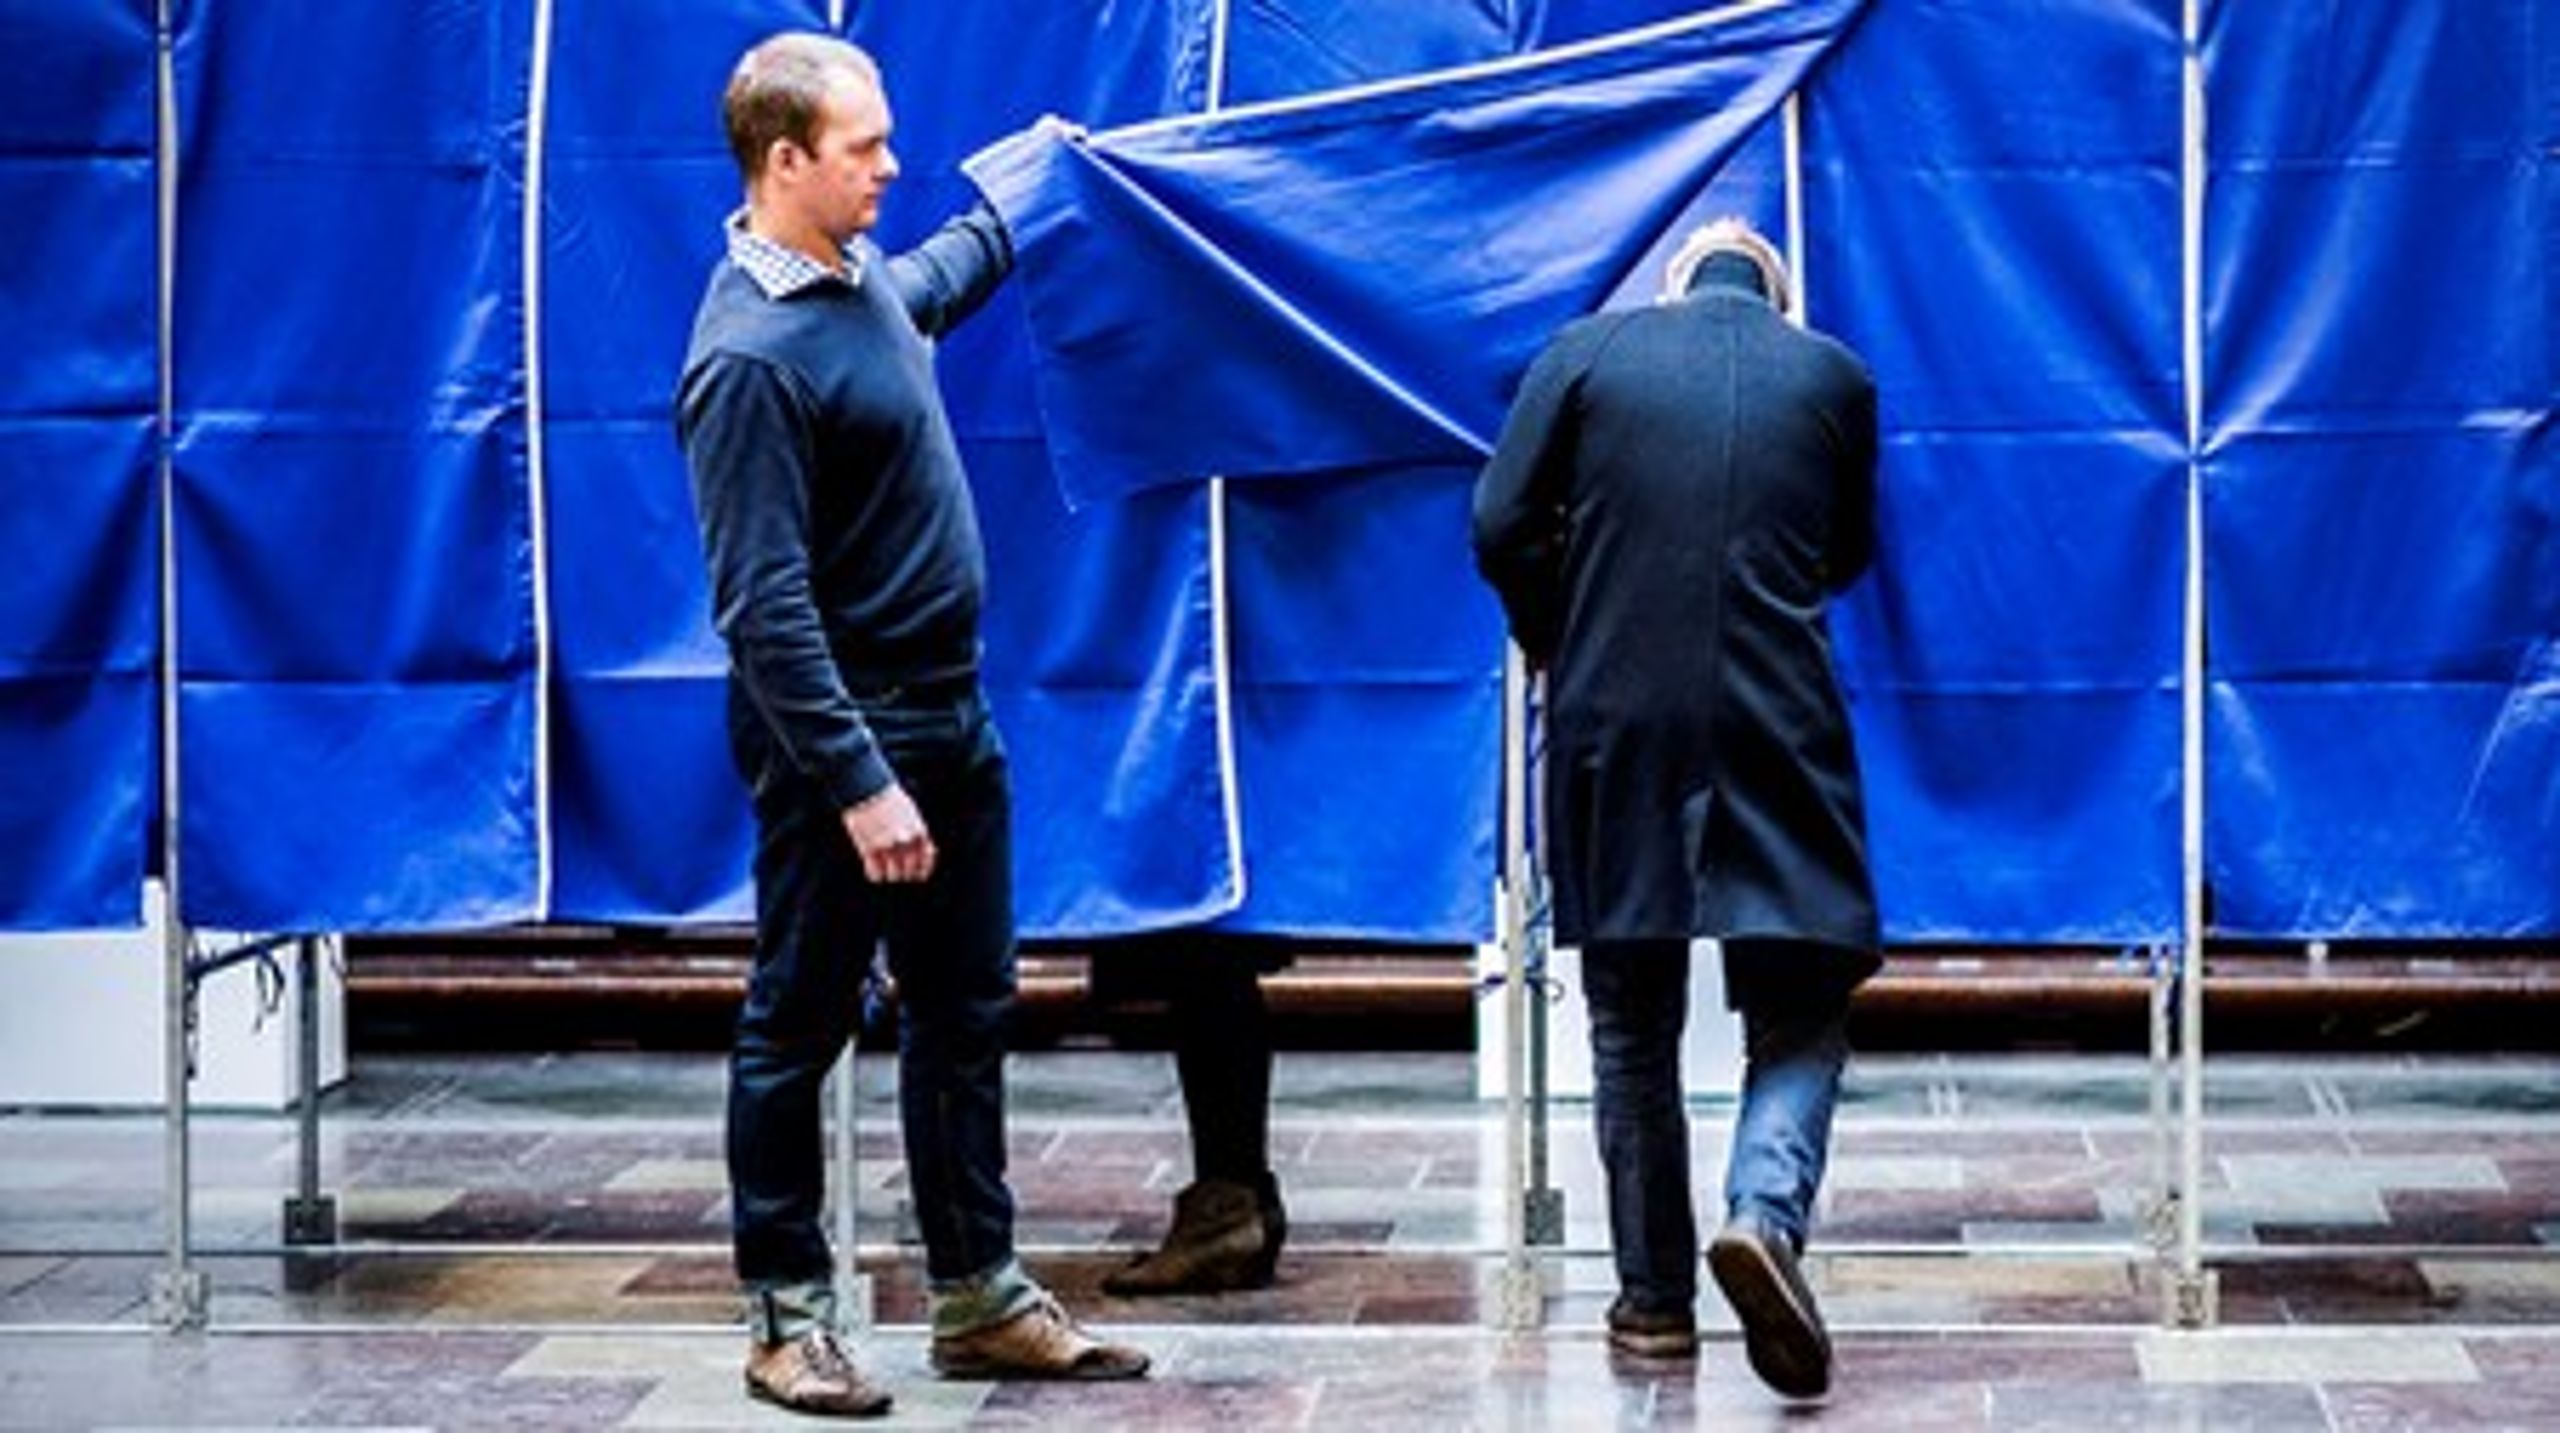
<point x="1675" y="495"/>
<point x="845" y="572"/>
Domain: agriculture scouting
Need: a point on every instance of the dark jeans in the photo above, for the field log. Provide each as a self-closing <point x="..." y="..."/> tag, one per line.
<point x="950" y="945"/>
<point x="1794" y="1047"/>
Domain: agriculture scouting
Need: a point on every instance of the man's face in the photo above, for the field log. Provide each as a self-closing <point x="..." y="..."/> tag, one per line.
<point x="849" y="164"/>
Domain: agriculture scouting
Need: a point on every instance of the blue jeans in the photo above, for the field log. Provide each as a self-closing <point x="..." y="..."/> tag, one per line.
<point x="951" y="948"/>
<point x="1794" y="1052"/>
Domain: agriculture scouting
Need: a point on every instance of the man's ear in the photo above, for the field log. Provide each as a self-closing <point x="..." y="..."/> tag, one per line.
<point x="782" y="156"/>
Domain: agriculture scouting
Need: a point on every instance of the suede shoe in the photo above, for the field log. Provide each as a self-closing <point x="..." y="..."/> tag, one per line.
<point x="1640" y="1333"/>
<point x="1224" y="1236"/>
<point x="813" y="1374"/>
<point x="1040" y="1342"/>
<point x="1782" y="1330"/>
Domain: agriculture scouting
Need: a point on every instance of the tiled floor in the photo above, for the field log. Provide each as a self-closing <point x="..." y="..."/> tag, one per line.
<point x="2384" y="1233"/>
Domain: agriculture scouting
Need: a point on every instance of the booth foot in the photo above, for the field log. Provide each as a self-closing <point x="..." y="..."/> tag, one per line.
<point x="1520" y="1296"/>
<point x="1542" y="1214"/>
<point x="310" y="1221"/>
<point x="2190" y="1301"/>
<point x="179" y="1299"/>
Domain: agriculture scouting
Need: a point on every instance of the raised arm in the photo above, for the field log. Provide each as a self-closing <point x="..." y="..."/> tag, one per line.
<point x="944" y="279"/>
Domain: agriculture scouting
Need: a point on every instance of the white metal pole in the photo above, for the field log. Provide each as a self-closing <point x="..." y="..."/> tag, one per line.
<point x="537" y="494"/>
<point x="310" y="1217"/>
<point x="2194" y="1294"/>
<point x="178" y="1292"/>
<point x="1221" y="649"/>
<point x="1521" y="1297"/>
<point x="853" y="1287"/>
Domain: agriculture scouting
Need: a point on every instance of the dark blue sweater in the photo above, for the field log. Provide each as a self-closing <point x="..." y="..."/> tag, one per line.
<point x="836" y="521"/>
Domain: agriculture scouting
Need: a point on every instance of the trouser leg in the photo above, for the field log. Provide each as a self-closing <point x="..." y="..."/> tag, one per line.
<point x="815" y="927"/>
<point x="1222" y="1053"/>
<point x="1795" y="1047"/>
<point x="1638" y="994"/>
<point x="951" y="949"/>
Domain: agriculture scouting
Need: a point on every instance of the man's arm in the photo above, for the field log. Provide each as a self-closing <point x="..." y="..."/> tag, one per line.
<point x="1853" y="522"/>
<point x="1519" y="503"/>
<point x="748" y="447"/>
<point x="944" y="279"/>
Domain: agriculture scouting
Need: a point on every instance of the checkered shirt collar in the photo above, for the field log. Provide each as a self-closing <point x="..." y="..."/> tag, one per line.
<point x="781" y="270"/>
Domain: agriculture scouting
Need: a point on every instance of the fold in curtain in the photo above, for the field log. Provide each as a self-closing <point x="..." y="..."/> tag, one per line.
<point x="1308" y="287"/>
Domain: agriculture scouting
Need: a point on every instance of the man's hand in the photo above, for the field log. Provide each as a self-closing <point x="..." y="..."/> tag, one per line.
<point x="889" y="833"/>
<point x="1065" y="130"/>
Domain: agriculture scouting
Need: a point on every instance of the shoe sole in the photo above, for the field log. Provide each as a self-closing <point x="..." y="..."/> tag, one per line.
<point x="1659" y="1347"/>
<point x="1782" y="1337"/>
<point x="1092" y="1371"/>
<point x="762" y="1394"/>
<point x="1239" y="1281"/>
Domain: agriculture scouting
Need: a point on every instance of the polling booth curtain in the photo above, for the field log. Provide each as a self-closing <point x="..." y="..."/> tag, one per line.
<point x="1993" y="222"/>
<point x="1366" y="653"/>
<point x="1100" y="646"/>
<point x="79" y="397"/>
<point x="1377" y="269"/>
<point x="649" y="820"/>
<point x="355" y="568"/>
<point x="2382" y="477"/>
<point x="2026" y="705"/>
<point x="444" y="662"/>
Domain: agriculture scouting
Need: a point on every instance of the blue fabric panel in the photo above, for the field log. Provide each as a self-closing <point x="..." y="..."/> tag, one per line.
<point x="2011" y="666"/>
<point x="648" y="820"/>
<point x="77" y="691"/>
<point x="1096" y="62"/>
<point x="1280" y="48"/>
<point x="1546" y="24"/>
<point x="1098" y="638"/>
<point x="455" y="847"/>
<point x="1099" y="671"/>
<point x="1367" y="664"/>
<point x="355" y="574"/>
<point x="1366" y="657"/>
<point x="2366" y="809"/>
<point x="2382" y="480"/>
<point x="2001" y="242"/>
<point x="79" y="376"/>
<point x="1321" y="245"/>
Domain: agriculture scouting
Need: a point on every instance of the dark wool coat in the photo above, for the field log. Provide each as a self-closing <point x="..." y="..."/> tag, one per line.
<point x="1677" y="491"/>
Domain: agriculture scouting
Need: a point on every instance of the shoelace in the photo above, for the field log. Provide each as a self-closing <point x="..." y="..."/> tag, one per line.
<point x="1047" y="1306"/>
<point x="826" y="1356"/>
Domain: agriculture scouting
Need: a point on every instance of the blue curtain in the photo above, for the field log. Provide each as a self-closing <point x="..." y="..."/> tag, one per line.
<point x="1991" y="204"/>
<point x="356" y="629"/>
<point x="648" y="819"/>
<point x="2382" y="476"/>
<point x="1099" y="643"/>
<point x="79" y="391"/>
<point x="2000" y="239"/>
<point x="1377" y="271"/>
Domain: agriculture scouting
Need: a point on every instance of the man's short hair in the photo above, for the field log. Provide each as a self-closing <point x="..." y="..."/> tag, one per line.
<point x="779" y="87"/>
<point x="1727" y="235"/>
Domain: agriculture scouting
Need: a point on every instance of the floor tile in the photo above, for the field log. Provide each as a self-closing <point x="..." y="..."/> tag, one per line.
<point x="2304" y="1357"/>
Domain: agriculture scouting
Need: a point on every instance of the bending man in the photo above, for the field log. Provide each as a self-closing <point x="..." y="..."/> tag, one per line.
<point x="1676" y="493"/>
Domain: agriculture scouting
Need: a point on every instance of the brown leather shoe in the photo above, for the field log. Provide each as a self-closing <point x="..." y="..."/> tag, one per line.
<point x="1652" y="1334"/>
<point x="813" y="1374"/>
<point x="1039" y="1342"/>
<point x="1224" y="1236"/>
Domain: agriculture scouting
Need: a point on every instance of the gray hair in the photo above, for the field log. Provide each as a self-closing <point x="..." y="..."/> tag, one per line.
<point x="1727" y="235"/>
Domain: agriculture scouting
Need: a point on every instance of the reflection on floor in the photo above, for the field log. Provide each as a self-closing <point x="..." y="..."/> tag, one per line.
<point x="2383" y="1233"/>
